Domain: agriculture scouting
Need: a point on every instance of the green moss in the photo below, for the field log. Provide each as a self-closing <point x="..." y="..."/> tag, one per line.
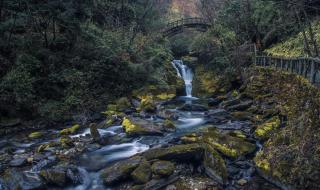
<point x="265" y="130"/>
<point x="228" y="145"/>
<point x="235" y="93"/>
<point x="142" y="173"/>
<point x="165" y="96"/>
<point x="35" y="135"/>
<point x="162" y="168"/>
<point x="147" y="104"/>
<point x="66" y="142"/>
<point x="168" y="124"/>
<point x="130" y="127"/>
<point x="71" y="130"/>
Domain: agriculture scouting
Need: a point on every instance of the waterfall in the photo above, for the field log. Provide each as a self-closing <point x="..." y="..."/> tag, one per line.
<point x="185" y="73"/>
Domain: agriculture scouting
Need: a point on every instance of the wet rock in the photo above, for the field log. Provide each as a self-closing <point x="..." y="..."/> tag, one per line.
<point x="166" y="114"/>
<point x="241" y="107"/>
<point x="178" y="152"/>
<point x="42" y="165"/>
<point x="12" y="179"/>
<point x="228" y="145"/>
<point x="120" y="171"/>
<point x="142" y="173"/>
<point x="230" y="102"/>
<point x="169" y="125"/>
<point x="242" y="116"/>
<point x="190" y="138"/>
<point x="138" y="127"/>
<point x="66" y="142"/>
<point x="163" y="168"/>
<point x="242" y="182"/>
<point x="68" y="131"/>
<point x="193" y="107"/>
<point x="214" y="102"/>
<point x="214" y="165"/>
<point x="54" y="176"/>
<point x="265" y="130"/>
<point x="18" y="162"/>
<point x="35" y="135"/>
<point x="94" y="132"/>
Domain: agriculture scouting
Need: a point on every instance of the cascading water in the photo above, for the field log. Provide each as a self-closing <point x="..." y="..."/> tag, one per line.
<point x="186" y="74"/>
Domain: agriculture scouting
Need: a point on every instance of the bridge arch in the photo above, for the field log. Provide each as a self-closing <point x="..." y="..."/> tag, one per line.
<point x="177" y="26"/>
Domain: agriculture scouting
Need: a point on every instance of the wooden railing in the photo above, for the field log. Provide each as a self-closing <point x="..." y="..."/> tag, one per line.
<point x="306" y="67"/>
<point x="187" y="21"/>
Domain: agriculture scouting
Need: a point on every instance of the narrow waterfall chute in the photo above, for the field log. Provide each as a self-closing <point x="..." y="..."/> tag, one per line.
<point x="186" y="74"/>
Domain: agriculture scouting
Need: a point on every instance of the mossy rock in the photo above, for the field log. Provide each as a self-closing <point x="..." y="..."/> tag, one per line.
<point x="178" y="152"/>
<point x="43" y="147"/>
<point x="36" y="135"/>
<point x="228" y="145"/>
<point x="66" y="142"/>
<point x="190" y="138"/>
<point x="265" y="130"/>
<point x="243" y="116"/>
<point x="139" y="127"/>
<point x="142" y="173"/>
<point x="214" y="165"/>
<point x="120" y="171"/>
<point x="162" y="168"/>
<point x="54" y="177"/>
<point x="147" y="104"/>
<point x="71" y="130"/>
<point x="169" y="125"/>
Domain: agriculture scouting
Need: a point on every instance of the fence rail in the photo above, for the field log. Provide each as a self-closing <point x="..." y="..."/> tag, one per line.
<point x="306" y="67"/>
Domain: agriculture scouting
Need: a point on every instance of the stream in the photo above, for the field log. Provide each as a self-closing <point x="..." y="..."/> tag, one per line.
<point x="91" y="162"/>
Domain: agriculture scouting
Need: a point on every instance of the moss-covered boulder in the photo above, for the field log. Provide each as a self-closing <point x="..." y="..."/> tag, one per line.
<point x="177" y="152"/>
<point x="265" y="130"/>
<point x="163" y="168"/>
<point x="190" y="138"/>
<point x="142" y="173"/>
<point x="214" y="165"/>
<point x="66" y="142"/>
<point x="228" y="145"/>
<point x="120" y="171"/>
<point x="169" y="125"/>
<point x="71" y="130"/>
<point x="35" y="135"/>
<point x="138" y="127"/>
<point x="147" y="104"/>
<point x="54" y="177"/>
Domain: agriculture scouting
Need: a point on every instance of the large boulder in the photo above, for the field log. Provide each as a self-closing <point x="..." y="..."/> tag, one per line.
<point x="142" y="173"/>
<point x="12" y="179"/>
<point x="177" y="152"/>
<point x="55" y="176"/>
<point x="214" y="165"/>
<point x="163" y="168"/>
<point x="120" y="171"/>
<point x="137" y="127"/>
<point x="230" y="146"/>
<point x="265" y="130"/>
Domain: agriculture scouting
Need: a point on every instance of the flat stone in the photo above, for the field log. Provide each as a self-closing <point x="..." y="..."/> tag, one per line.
<point x="18" y="162"/>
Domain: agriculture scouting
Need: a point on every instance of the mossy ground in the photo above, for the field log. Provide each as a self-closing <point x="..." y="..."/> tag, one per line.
<point x="292" y="153"/>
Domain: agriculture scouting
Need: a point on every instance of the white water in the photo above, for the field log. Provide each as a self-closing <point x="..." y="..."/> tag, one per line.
<point x="186" y="74"/>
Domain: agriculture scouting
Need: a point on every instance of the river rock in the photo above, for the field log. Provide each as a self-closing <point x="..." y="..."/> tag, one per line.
<point x="55" y="176"/>
<point x="177" y="152"/>
<point x="241" y="107"/>
<point x="214" y="102"/>
<point x="193" y="107"/>
<point x="94" y="132"/>
<point x="163" y="168"/>
<point x="169" y="125"/>
<point x="142" y="173"/>
<point x="229" y="103"/>
<point x="120" y="171"/>
<point x="167" y="114"/>
<point x="137" y="127"/>
<point x="18" y="162"/>
<point x="12" y="179"/>
<point x="228" y="145"/>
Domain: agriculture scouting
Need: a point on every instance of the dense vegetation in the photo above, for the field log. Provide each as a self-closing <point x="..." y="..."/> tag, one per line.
<point x="60" y="58"/>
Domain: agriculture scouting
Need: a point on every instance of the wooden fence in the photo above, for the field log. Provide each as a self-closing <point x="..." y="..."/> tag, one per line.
<point x="306" y="67"/>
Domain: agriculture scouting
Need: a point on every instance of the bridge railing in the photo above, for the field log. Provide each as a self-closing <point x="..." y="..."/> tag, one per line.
<point x="186" y="21"/>
<point x="306" y="67"/>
